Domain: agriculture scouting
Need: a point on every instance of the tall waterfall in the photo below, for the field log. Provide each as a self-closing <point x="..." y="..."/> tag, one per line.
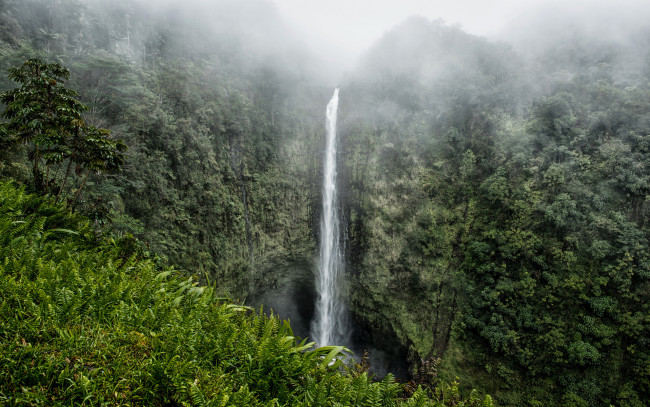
<point x="329" y="326"/>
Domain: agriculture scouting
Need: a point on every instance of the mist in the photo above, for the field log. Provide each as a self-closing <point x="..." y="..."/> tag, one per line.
<point x="331" y="38"/>
<point x="492" y="172"/>
<point x="340" y="31"/>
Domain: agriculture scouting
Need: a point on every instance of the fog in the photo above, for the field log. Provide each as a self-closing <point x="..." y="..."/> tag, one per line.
<point x="333" y="35"/>
<point x="340" y="30"/>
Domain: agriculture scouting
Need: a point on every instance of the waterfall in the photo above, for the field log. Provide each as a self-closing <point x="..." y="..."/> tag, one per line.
<point x="329" y="326"/>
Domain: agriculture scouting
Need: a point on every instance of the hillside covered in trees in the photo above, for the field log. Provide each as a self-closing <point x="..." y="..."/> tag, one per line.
<point x="494" y="194"/>
<point x="516" y="214"/>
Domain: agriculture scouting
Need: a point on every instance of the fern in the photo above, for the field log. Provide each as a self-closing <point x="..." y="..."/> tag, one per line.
<point x="487" y="402"/>
<point x="419" y="399"/>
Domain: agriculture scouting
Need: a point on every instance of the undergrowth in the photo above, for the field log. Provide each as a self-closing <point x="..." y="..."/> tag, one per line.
<point x="94" y="321"/>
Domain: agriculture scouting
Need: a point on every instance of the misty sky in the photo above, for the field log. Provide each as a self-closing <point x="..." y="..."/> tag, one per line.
<point x="345" y="28"/>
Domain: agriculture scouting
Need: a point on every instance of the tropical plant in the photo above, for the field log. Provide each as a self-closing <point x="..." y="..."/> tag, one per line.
<point x="45" y="115"/>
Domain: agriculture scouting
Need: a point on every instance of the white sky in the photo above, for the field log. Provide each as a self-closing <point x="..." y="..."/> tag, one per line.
<point x="345" y="28"/>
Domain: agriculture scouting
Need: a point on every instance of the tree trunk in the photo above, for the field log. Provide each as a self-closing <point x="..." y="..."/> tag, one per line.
<point x="79" y="190"/>
<point x="65" y="178"/>
<point x="433" y="352"/>
<point x="47" y="177"/>
<point x="36" y="172"/>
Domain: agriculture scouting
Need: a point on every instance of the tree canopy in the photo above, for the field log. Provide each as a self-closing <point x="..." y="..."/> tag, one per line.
<point x="43" y="114"/>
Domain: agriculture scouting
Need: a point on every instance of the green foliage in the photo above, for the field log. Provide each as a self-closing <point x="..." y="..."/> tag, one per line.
<point x="497" y="208"/>
<point x="517" y="237"/>
<point x="42" y="112"/>
<point x="88" y="322"/>
<point x="213" y="132"/>
<point x="46" y="115"/>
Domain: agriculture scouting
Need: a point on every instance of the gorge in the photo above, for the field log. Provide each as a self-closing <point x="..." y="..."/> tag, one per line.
<point x="470" y="189"/>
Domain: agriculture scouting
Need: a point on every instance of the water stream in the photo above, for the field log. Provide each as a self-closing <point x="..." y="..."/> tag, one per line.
<point x="329" y="326"/>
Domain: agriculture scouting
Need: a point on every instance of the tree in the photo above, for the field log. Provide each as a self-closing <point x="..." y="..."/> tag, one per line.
<point x="42" y="113"/>
<point x="97" y="152"/>
<point x="46" y="115"/>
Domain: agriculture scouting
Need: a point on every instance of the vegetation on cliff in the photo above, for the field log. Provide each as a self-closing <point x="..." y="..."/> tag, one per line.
<point x="222" y="137"/>
<point x="508" y="220"/>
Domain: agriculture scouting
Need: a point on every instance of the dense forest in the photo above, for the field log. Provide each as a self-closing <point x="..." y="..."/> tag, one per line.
<point x="515" y="214"/>
<point x="495" y="195"/>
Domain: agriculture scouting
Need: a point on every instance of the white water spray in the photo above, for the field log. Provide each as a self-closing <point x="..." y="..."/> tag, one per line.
<point x="329" y="326"/>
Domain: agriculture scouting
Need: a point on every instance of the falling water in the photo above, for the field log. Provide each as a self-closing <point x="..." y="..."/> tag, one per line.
<point x="329" y="327"/>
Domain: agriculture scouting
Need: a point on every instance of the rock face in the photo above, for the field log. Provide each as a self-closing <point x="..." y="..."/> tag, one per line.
<point x="288" y="288"/>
